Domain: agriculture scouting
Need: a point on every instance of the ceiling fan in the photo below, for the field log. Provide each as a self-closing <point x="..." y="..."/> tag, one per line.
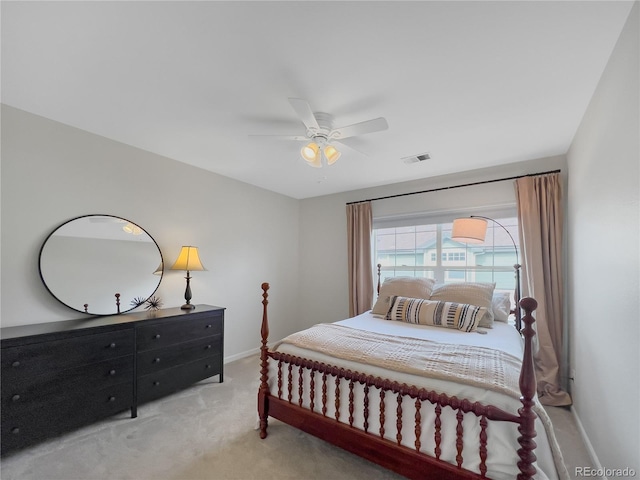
<point x="321" y="137"/>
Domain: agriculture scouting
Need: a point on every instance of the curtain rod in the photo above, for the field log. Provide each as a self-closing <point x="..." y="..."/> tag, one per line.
<point x="454" y="186"/>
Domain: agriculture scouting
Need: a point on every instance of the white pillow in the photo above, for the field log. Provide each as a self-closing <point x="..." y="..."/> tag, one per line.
<point x="472" y="293"/>
<point x="413" y="287"/>
<point x="501" y="306"/>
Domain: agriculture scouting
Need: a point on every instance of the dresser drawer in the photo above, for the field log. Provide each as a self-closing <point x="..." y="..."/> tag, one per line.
<point x="20" y="363"/>
<point x="59" y="417"/>
<point x="159" y="359"/>
<point x="39" y="391"/>
<point x="162" y="334"/>
<point x="166" y="381"/>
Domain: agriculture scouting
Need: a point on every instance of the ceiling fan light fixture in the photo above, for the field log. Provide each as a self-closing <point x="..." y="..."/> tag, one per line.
<point x="317" y="163"/>
<point x="311" y="152"/>
<point x="132" y="229"/>
<point x="332" y="154"/>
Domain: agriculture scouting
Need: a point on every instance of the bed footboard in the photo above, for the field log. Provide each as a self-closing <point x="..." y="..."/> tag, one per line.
<point x="412" y="462"/>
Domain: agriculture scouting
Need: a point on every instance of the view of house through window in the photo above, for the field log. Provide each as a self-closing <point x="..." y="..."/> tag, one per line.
<point x="428" y="251"/>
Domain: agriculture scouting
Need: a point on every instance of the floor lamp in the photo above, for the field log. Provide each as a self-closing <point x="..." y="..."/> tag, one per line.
<point x="473" y="229"/>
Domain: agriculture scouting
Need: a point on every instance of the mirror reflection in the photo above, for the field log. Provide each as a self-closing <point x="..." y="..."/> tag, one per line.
<point x="101" y="264"/>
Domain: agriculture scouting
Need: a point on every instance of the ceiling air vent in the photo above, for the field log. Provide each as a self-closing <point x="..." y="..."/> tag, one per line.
<point x="417" y="158"/>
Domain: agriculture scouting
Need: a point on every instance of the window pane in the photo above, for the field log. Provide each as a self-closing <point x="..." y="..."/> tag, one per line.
<point x="455" y="275"/>
<point x="428" y="251"/>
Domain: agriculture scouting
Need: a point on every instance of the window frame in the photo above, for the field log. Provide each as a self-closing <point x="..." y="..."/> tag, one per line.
<point x="440" y="270"/>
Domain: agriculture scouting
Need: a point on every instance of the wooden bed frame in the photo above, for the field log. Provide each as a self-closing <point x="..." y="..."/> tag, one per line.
<point x="406" y="461"/>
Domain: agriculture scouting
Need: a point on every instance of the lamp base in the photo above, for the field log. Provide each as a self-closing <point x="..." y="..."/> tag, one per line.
<point x="187" y="306"/>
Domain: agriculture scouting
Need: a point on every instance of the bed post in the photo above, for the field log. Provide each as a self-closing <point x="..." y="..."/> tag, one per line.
<point x="263" y="392"/>
<point x="528" y="391"/>
<point x="379" y="267"/>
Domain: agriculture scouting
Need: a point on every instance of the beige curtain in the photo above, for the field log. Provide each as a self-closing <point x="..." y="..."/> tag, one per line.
<point x="359" y="228"/>
<point x="540" y="225"/>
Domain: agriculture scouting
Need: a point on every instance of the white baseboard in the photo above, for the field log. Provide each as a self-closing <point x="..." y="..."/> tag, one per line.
<point x="241" y="355"/>
<point x="587" y="442"/>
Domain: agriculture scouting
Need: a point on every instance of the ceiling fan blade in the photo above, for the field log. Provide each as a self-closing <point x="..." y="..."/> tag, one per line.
<point x="300" y="138"/>
<point x="350" y="147"/>
<point x="369" y="126"/>
<point x="303" y="109"/>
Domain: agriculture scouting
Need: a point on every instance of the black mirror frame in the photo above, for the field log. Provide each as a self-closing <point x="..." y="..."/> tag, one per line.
<point x="130" y="307"/>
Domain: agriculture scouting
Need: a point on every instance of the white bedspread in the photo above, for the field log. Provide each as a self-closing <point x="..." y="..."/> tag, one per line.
<point x="502" y="436"/>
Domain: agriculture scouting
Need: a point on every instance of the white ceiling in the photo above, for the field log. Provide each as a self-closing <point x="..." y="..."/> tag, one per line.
<point x="476" y="84"/>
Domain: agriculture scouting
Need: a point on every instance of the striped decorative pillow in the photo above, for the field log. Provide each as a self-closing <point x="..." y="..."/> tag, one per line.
<point x="473" y="293"/>
<point x="462" y="316"/>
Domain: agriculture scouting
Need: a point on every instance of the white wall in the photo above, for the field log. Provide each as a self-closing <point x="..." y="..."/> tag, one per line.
<point x="604" y="243"/>
<point x="246" y="235"/>
<point x="323" y="228"/>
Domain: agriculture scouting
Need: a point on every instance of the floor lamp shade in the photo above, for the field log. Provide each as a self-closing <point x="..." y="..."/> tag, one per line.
<point x="188" y="260"/>
<point x="469" y="230"/>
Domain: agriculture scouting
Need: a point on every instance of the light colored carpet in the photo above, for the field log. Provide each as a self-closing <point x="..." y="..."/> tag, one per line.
<point x="208" y="432"/>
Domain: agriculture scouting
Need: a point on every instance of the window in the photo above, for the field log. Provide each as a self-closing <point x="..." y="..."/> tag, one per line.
<point x="428" y="251"/>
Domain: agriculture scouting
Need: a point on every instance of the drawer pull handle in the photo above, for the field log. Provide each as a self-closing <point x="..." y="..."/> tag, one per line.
<point x="207" y="347"/>
<point x="15" y="398"/>
<point x="15" y="364"/>
<point x="208" y="325"/>
<point x="112" y="399"/>
<point x="156" y="336"/>
<point x="156" y="383"/>
<point x="112" y="372"/>
<point x="113" y="345"/>
<point x="15" y="430"/>
<point x="156" y="360"/>
<point x="207" y="366"/>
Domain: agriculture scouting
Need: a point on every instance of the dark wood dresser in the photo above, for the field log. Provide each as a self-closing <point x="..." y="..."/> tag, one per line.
<point x="62" y="375"/>
<point x="174" y="353"/>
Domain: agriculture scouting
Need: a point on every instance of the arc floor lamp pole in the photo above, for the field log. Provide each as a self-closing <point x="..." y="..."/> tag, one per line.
<point x="465" y="230"/>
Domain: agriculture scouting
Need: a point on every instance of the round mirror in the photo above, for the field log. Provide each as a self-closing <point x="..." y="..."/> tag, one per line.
<point x="101" y="264"/>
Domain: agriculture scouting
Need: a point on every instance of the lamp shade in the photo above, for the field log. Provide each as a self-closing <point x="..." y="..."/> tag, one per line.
<point x="332" y="154"/>
<point x="469" y="230"/>
<point x="160" y="269"/>
<point x="189" y="260"/>
<point x="310" y="152"/>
